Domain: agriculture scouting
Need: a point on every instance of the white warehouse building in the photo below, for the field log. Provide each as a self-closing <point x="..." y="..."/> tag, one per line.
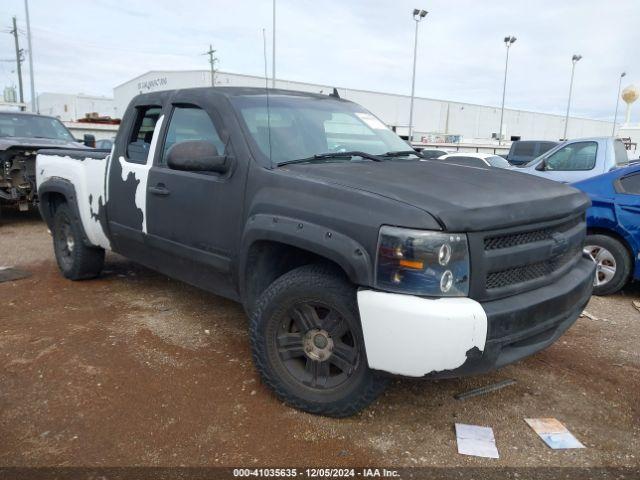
<point x="434" y="120"/>
<point x="71" y="107"/>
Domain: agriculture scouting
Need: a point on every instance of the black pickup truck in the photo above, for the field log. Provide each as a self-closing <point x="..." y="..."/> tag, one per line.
<point x="353" y="257"/>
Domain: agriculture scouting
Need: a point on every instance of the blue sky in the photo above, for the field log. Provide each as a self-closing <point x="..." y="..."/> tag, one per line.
<point x="91" y="46"/>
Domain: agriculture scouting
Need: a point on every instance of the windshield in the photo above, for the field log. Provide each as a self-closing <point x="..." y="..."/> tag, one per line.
<point x="302" y="127"/>
<point x="33" y="126"/>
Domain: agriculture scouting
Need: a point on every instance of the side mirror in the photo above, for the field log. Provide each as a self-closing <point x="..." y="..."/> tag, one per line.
<point x="89" y="140"/>
<point x="542" y="166"/>
<point x="197" y="156"/>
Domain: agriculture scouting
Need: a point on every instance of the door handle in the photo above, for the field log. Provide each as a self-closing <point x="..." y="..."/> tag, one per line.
<point x="159" y="189"/>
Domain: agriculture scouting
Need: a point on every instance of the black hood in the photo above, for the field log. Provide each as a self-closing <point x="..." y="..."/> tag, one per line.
<point x="461" y="198"/>
<point x="28" y="142"/>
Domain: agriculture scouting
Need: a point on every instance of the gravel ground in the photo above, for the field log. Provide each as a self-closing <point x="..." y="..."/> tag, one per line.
<point x="134" y="368"/>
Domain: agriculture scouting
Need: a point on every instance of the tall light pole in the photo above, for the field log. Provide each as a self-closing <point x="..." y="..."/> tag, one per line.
<point x="34" y="100"/>
<point x="508" y="41"/>
<point x="575" y="59"/>
<point x="615" y="115"/>
<point x="418" y="15"/>
<point x="273" y="50"/>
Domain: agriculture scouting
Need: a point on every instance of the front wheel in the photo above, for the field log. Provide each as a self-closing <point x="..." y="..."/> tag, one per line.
<point x="308" y="346"/>
<point x="613" y="263"/>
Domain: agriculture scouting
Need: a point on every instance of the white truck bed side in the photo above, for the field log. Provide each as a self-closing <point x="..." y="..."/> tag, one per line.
<point x="88" y="178"/>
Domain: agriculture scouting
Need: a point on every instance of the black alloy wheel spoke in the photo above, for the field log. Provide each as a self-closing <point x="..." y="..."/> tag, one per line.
<point x="343" y="356"/>
<point x="290" y="345"/>
<point x="305" y="317"/>
<point x="318" y="372"/>
<point x="335" y="326"/>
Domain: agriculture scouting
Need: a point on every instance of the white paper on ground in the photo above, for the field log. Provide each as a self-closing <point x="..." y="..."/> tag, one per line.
<point x="553" y="433"/>
<point x="476" y="441"/>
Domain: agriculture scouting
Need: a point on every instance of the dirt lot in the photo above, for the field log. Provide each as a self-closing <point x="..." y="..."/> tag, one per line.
<point x="136" y="369"/>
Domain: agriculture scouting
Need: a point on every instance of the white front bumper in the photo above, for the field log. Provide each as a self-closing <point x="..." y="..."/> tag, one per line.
<point x="414" y="336"/>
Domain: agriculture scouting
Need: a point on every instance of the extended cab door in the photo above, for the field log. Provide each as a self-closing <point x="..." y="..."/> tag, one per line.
<point x="573" y="162"/>
<point x="194" y="217"/>
<point x="128" y="174"/>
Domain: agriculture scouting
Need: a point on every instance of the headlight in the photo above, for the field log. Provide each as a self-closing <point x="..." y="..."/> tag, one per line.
<point x="423" y="262"/>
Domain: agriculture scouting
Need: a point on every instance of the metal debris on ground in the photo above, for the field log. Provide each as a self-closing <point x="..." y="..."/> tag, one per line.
<point x="482" y="390"/>
<point x="637" y="305"/>
<point x="9" y="274"/>
<point x="476" y="441"/>
<point x="554" y="433"/>
<point x="588" y="315"/>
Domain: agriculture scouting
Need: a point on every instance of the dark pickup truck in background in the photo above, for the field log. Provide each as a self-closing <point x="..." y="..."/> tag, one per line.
<point x="353" y="257"/>
<point x="523" y="151"/>
<point x="21" y="136"/>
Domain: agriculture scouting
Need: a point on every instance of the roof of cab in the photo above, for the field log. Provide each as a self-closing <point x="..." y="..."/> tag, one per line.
<point x="236" y="92"/>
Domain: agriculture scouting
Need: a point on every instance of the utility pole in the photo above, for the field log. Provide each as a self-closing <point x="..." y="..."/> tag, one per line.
<point x="18" y="59"/>
<point x="34" y="100"/>
<point x="212" y="61"/>
<point x="273" y="50"/>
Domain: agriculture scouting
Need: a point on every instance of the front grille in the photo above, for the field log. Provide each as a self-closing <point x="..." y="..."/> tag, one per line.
<point x="511" y="261"/>
<point x="529" y="272"/>
<point x="521" y="238"/>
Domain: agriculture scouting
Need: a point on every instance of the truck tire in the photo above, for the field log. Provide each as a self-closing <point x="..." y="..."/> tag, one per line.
<point x="76" y="260"/>
<point x="613" y="263"/>
<point x="308" y="346"/>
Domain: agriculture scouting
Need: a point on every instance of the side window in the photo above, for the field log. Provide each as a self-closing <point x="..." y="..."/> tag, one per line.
<point x="432" y="153"/>
<point x="573" y="157"/>
<point x="142" y="133"/>
<point x="620" y="152"/>
<point x="496" y="161"/>
<point x="190" y="123"/>
<point x="631" y="184"/>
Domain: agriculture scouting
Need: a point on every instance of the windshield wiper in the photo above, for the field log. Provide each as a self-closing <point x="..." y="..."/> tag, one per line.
<point x="324" y="156"/>
<point x="401" y="153"/>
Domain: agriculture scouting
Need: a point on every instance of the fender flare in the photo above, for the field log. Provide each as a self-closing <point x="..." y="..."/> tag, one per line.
<point x="65" y="188"/>
<point x="326" y="242"/>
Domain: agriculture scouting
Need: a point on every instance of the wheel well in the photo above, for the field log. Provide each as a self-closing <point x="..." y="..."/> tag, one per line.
<point x="268" y="260"/>
<point x="50" y="202"/>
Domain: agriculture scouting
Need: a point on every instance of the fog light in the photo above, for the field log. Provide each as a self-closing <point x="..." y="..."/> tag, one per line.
<point x="446" y="282"/>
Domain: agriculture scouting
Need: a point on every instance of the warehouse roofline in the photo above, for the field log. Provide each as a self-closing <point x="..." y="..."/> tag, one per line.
<point x="377" y="92"/>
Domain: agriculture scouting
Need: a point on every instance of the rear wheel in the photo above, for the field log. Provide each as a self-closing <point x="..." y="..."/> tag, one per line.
<point x="613" y="263"/>
<point x="76" y="260"/>
<point x="308" y="346"/>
